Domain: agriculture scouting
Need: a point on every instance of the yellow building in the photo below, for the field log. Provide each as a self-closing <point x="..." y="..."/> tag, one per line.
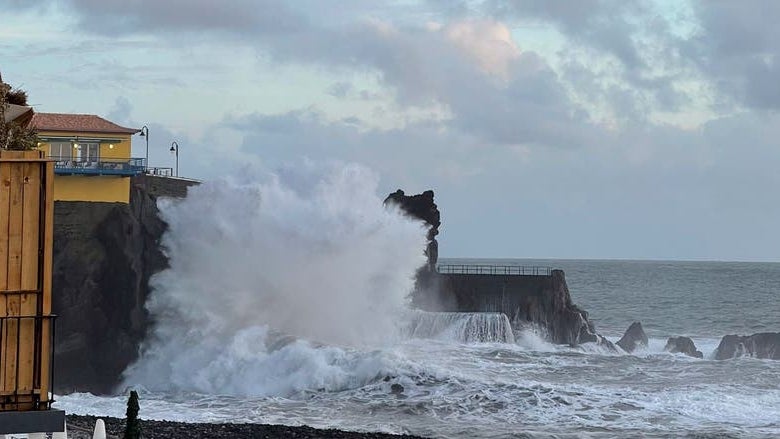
<point x="92" y="156"/>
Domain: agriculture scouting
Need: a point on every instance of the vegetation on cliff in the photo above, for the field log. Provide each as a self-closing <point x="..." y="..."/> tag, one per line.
<point x="14" y="135"/>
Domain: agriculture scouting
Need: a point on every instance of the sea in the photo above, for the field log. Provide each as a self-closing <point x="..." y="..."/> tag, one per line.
<point x="308" y="324"/>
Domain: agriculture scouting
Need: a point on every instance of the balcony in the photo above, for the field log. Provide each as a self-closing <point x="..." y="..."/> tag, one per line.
<point x="100" y="166"/>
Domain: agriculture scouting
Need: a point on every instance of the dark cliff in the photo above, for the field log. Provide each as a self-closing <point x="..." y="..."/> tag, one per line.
<point x="104" y="255"/>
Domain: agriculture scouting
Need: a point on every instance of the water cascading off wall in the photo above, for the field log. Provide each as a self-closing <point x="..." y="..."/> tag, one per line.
<point x="309" y="251"/>
<point x="462" y="327"/>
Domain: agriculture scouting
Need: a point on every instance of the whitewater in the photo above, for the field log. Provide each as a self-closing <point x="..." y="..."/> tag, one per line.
<point x="287" y="302"/>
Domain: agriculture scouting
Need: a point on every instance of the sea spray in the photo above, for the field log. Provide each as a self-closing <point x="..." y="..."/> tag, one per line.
<point x="309" y="251"/>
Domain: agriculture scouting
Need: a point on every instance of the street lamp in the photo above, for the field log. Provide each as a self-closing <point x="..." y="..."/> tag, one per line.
<point x="145" y="134"/>
<point x="175" y="150"/>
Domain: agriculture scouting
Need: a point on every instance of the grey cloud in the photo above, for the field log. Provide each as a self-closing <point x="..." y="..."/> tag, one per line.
<point x="421" y="66"/>
<point x="340" y="89"/>
<point x="236" y="16"/>
<point x="738" y="48"/>
<point x="424" y="68"/>
<point x="121" y="111"/>
<point x="649" y="55"/>
<point x="599" y="23"/>
<point x="418" y="154"/>
<point x="666" y="191"/>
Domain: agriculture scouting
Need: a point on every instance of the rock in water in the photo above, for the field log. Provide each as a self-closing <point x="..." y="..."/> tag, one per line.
<point x="396" y="389"/>
<point x="762" y="345"/>
<point x="600" y="340"/>
<point x="682" y="345"/>
<point x="633" y="338"/>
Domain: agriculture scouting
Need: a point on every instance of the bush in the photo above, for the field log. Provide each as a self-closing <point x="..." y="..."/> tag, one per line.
<point x="14" y="136"/>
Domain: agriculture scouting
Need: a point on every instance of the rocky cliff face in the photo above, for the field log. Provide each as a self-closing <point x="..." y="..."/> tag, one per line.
<point x="104" y="254"/>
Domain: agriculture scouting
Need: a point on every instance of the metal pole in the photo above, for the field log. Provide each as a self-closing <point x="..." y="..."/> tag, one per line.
<point x="175" y="150"/>
<point x="145" y="134"/>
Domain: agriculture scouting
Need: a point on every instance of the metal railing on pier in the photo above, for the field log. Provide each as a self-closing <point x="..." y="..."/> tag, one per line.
<point x="511" y="270"/>
<point x="158" y="171"/>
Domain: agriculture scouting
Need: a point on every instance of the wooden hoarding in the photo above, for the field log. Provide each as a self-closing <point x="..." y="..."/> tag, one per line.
<point x="26" y="325"/>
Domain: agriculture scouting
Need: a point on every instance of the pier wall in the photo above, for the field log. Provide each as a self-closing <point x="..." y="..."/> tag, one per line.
<point x="539" y="301"/>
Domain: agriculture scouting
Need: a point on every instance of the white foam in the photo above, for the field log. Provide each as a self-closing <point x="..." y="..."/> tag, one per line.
<point x="309" y="251"/>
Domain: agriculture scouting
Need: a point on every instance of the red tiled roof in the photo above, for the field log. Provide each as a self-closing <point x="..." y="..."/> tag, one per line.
<point x="77" y="123"/>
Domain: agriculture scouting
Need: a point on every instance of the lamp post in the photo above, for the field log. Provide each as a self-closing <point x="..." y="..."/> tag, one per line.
<point x="175" y="150"/>
<point x="145" y="134"/>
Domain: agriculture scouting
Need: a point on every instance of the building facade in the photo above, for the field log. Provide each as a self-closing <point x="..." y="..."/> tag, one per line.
<point x="92" y="156"/>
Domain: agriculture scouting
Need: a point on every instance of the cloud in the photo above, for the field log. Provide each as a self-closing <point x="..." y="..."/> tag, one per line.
<point x="136" y="16"/>
<point x="632" y="46"/>
<point x="470" y="68"/>
<point x="644" y="129"/>
<point x="121" y="111"/>
<point x="488" y="43"/>
<point x="737" y="46"/>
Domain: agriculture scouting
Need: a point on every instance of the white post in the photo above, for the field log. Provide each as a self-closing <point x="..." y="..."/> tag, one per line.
<point x="100" y="430"/>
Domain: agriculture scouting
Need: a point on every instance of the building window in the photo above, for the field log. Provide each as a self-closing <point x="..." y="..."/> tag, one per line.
<point x="88" y="152"/>
<point x="61" y="150"/>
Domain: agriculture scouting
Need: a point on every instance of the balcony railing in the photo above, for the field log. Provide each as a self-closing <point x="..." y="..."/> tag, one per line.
<point x="98" y="166"/>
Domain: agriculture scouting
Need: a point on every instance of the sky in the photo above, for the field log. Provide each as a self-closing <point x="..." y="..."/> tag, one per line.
<point x="598" y="129"/>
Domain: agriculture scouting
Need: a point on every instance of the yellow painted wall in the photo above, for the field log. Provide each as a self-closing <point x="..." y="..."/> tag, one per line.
<point x="104" y="188"/>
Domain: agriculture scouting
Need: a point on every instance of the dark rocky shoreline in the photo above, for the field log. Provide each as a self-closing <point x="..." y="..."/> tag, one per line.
<point x="81" y="427"/>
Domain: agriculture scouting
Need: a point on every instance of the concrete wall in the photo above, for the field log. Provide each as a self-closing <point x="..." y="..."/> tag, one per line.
<point x="164" y="186"/>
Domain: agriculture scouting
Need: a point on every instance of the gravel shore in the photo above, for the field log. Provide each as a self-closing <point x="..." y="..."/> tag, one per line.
<point x="80" y="427"/>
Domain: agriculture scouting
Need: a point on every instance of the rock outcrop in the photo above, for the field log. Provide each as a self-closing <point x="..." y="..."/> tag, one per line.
<point x="104" y="255"/>
<point x="682" y="345"/>
<point x="762" y="345"/>
<point x="422" y="207"/>
<point x="633" y="338"/>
